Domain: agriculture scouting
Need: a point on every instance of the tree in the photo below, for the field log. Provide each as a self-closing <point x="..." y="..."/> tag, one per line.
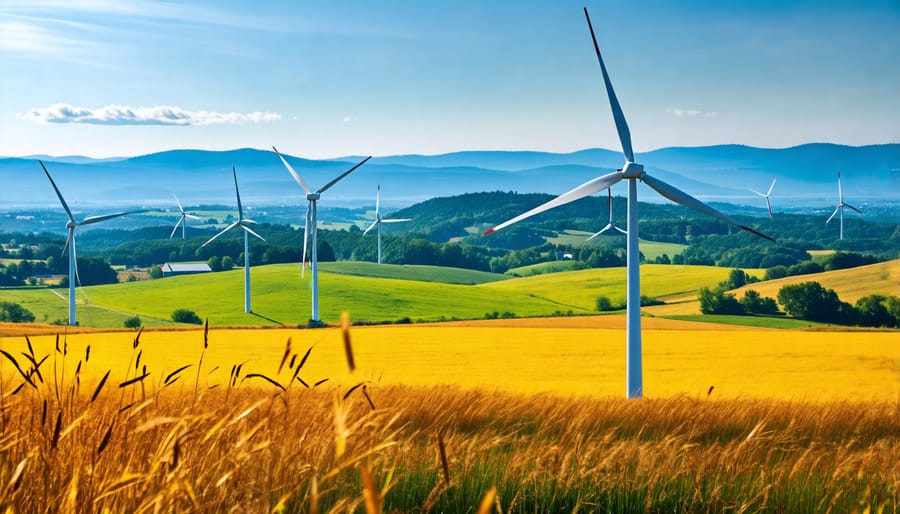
<point x="776" y="272"/>
<point x="736" y="279"/>
<point x="754" y="303"/>
<point x="15" y="313"/>
<point x="132" y="322"/>
<point x="604" y="304"/>
<point x="186" y="316"/>
<point x="227" y="263"/>
<point x="155" y="272"/>
<point x="717" y="301"/>
<point x="811" y="301"/>
<point x="215" y="263"/>
<point x="872" y="312"/>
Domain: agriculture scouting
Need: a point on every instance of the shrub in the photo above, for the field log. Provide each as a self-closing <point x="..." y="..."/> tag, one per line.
<point x="647" y="301"/>
<point x="15" y="313"/>
<point x="186" y="316"/>
<point x="717" y="301"/>
<point x="754" y="303"/>
<point x="132" y="322"/>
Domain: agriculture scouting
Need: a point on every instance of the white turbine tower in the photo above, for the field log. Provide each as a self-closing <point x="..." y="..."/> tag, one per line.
<point x="610" y="224"/>
<point x="631" y="172"/>
<point x="840" y="207"/>
<point x="241" y="222"/>
<point x="181" y="220"/>
<point x="310" y="227"/>
<point x="70" y="242"/>
<point x="379" y="220"/>
<point x="766" y="196"/>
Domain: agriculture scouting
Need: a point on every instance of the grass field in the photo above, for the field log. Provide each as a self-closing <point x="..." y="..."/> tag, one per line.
<point x="412" y="272"/>
<point x="650" y="249"/>
<point x="438" y="418"/>
<point x="542" y="268"/>
<point x="280" y="297"/>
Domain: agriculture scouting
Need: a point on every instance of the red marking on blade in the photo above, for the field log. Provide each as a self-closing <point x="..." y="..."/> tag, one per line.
<point x="760" y="234"/>
<point x="489" y="232"/>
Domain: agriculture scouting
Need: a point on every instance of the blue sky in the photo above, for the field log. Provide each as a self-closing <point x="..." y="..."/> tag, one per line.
<point x="325" y="79"/>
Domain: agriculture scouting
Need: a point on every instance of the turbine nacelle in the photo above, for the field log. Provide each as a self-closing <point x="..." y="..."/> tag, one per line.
<point x="312" y="197"/>
<point x="632" y="170"/>
<point x="71" y="224"/>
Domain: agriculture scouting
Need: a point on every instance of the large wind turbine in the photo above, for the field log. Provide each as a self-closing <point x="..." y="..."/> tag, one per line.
<point x="766" y="196"/>
<point x="241" y="222"/>
<point x="379" y="220"/>
<point x="70" y="242"/>
<point x="610" y="224"/>
<point x="181" y="220"/>
<point x="310" y="227"/>
<point x="632" y="172"/>
<point x="840" y="207"/>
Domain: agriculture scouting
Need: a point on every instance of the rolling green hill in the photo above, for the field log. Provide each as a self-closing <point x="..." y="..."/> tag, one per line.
<point x="411" y="272"/>
<point x="280" y="296"/>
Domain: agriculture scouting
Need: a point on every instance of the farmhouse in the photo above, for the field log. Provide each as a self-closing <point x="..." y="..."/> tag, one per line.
<point x="170" y="269"/>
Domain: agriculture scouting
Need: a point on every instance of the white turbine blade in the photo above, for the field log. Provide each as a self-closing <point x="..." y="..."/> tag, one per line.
<point x="250" y="230"/>
<point x="294" y="174"/>
<point x="374" y="223"/>
<point x="609" y="203"/>
<point x="180" y="221"/>
<point x="68" y="241"/>
<point x="395" y="220"/>
<point x="75" y="258"/>
<point x="769" y="206"/>
<point x="377" y="200"/>
<point x="342" y="175"/>
<point x="621" y="124"/>
<point x="687" y="200"/>
<point x="58" y="194"/>
<point x="248" y="220"/>
<point x="602" y="230"/>
<point x="226" y="229"/>
<point x="840" y="190"/>
<point x="305" y="240"/>
<point x="238" y="194"/>
<point x="622" y="230"/>
<point x="852" y="207"/>
<point x="191" y="216"/>
<point x="833" y="214"/>
<point x="771" y="187"/>
<point x="588" y="188"/>
<point x="90" y="220"/>
<point x="180" y="207"/>
<point x="757" y="192"/>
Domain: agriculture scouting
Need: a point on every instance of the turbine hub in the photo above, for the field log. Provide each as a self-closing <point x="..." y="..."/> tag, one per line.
<point x="632" y="170"/>
<point x="70" y="225"/>
<point x="312" y="197"/>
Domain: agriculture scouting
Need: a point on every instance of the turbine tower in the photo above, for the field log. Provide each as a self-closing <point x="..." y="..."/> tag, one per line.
<point x="310" y="226"/>
<point x="241" y="222"/>
<point x="70" y="242"/>
<point x="840" y="207"/>
<point x="610" y="224"/>
<point x="379" y="220"/>
<point x="766" y="196"/>
<point x="181" y="220"/>
<point x="632" y="172"/>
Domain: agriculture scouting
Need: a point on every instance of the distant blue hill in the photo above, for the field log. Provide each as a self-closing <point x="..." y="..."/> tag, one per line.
<point x="805" y="173"/>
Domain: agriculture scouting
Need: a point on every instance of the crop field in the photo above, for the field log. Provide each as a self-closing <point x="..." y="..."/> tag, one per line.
<point x="542" y="268"/>
<point x="279" y="295"/>
<point x="512" y="415"/>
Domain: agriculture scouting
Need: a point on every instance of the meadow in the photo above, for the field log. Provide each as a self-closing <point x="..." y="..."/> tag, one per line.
<point x="477" y="416"/>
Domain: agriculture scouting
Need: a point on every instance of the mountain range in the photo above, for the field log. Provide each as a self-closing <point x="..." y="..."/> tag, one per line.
<point x="806" y="175"/>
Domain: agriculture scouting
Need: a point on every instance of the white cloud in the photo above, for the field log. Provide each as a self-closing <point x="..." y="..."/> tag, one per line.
<point x="123" y="115"/>
<point x="348" y="119"/>
<point x="690" y="113"/>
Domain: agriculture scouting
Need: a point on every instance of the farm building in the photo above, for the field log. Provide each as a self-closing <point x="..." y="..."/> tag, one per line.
<point x="171" y="269"/>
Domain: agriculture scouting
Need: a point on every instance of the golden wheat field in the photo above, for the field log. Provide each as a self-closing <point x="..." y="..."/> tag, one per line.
<point x="505" y="416"/>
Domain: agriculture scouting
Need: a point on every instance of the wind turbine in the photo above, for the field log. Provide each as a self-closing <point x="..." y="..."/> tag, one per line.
<point x="840" y="207"/>
<point x="379" y="220"/>
<point x="310" y="226"/>
<point x="181" y="220"/>
<point x="632" y="172"/>
<point x="766" y="196"/>
<point x="610" y="224"/>
<point x="241" y="222"/>
<point x="70" y="242"/>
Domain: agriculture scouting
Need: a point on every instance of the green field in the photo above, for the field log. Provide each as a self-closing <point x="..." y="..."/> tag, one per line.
<point x="411" y="272"/>
<point x="650" y="249"/>
<point x="542" y="268"/>
<point x="750" y="321"/>
<point x="280" y="296"/>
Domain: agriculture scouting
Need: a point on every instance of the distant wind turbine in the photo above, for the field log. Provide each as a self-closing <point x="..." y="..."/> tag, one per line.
<point x="241" y="222"/>
<point x="840" y="207"/>
<point x="379" y="220"/>
<point x="610" y="224"/>
<point x="181" y="220"/>
<point x="631" y="172"/>
<point x="70" y="242"/>
<point x="766" y="196"/>
<point x="310" y="227"/>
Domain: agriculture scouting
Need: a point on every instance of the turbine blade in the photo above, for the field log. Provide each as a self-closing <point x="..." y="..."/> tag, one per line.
<point x="395" y="220"/>
<point x="852" y="207"/>
<point x="180" y="207"/>
<point x="757" y="192"/>
<point x="250" y="230"/>
<point x="622" y="230"/>
<point x="836" y="209"/>
<point x="305" y="240"/>
<point x="226" y="229"/>
<point x="374" y="223"/>
<point x="238" y="194"/>
<point x="180" y="221"/>
<point x="769" y="206"/>
<point x="294" y="174"/>
<point x="90" y="220"/>
<point x="248" y="220"/>
<point x="840" y="189"/>
<point x="678" y="196"/>
<point x="75" y="257"/>
<point x="58" y="194"/>
<point x="621" y="124"/>
<point x="602" y="230"/>
<point x="68" y="241"/>
<point x="609" y="202"/>
<point x="377" y="200"/>
<point x="771" y="187"/>
<point x="191" y="216"/>
<point x="588" y="188"/>
<point x="342" y="175"/>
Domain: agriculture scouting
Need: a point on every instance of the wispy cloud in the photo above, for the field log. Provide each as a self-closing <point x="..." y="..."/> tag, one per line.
<point x="348" y="119"/>
<point x="690" y="113"/>
<point x="123" y="115"/>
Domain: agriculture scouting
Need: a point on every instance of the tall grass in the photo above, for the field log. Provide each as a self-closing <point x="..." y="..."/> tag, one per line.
<point x="266" y="440"/>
